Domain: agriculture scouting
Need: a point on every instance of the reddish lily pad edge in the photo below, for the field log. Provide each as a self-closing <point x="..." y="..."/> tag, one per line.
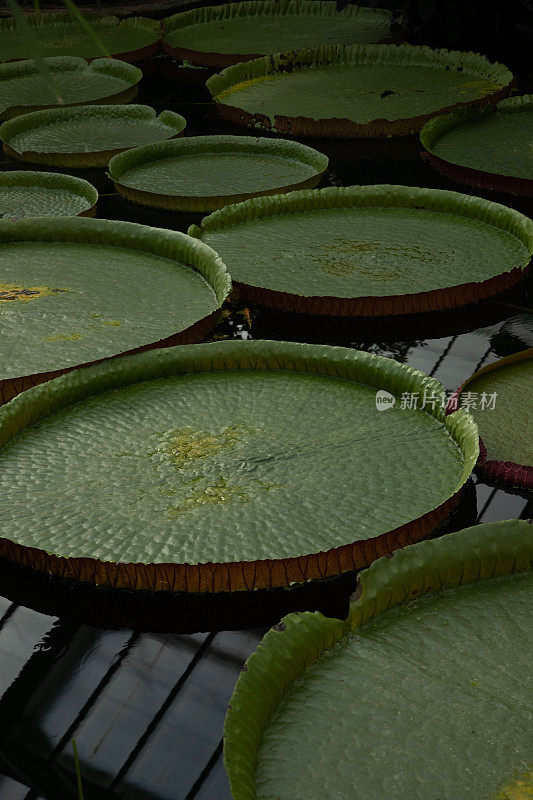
<point x="504" y="472"/>
<point x="96" y="158"/>
<point x="132" y="236"/>
<point x="247" y="145"/>
<point x="377" y="371"/>
<point x="255" y="10"/>
<point x="438" y="127"/>
<point x="334" y="127"/>
<point x="385" y="196"/>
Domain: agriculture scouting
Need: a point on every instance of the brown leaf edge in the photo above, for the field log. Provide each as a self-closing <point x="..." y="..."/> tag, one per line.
<point x="376" y="371"/>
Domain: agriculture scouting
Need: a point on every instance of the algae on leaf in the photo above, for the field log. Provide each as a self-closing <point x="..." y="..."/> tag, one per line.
<point x="358" y="91"/>
<point x="97" y="279"/>
<point x="370" y="250"/>
<point x="227" y="466"/>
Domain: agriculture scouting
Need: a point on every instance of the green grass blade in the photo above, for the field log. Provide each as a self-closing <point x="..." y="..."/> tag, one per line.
<point x="78" y="771"/>
<point x="87" y="27"/>
<point x="29" y="36"/>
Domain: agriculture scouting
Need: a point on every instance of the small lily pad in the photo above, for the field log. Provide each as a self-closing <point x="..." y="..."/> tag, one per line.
<point x="132" y="39"/>
<point x="370" y="250"/>
<point x="225" y="467"/>
<point x="499" y="397"/>
<point x="45" y="194"/>
<point x="104" y="80"/>
<point x="218" y="36"/>
<point x="86" y="136"/>
<point x="74" y="291"/>
<point x="203" y="173"/>
<point x="358" y="91"/>
<point x="491" y="151"/>
<point x="421" y="693"/>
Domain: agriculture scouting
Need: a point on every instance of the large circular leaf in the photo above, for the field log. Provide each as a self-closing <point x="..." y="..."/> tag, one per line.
<point x="499" y="397"/>
<point x="218" y="36"/>
<point x="356" y="91"/>
<point x="370" y="250"/>
<point x="227" y="466"/>
<point x="22" y="88"/>
<point x="86" y="136"/>
<point x="491" y="151"/>
<point x="130" y="39"/>
<point x="45" y="194"/>
<point x="203" y="173"/>
<point x="422" y="693"/>
<point x="74" y="291"/>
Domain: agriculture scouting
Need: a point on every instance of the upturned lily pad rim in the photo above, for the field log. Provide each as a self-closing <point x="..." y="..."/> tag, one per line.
<point x="475" y="554"/>
<point x="506" y="472"/>
<point x="385" y="196"/>
<point x="96" y="158"/>
<point x="221" y="84"/>
<point x="377" y="371"/>
<point x="119" y="69"/>
<point x="436" y="128"/>
<point x="281" y="148"/>
<point x="253" y="10"/>
<point x="132" y="236"/>
<point x="54" y="180"/>
<point x="139" y="54"/>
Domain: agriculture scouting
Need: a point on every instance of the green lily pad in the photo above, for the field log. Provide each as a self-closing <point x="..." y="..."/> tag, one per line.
<point x="22" y="88"/>
<point x="203" y="173"/>
<point x="86" y="136"/>
<point x="493" y="150"/>
<point x="218" y="36"/>
<point x="226" y="466"/>
<point x="499" y="397"/>
<point x="369" y="250"/>
<point x="356" y="91"/>
<point x="45" y="194"/>
<point x="74" y="291"/>
<point x="422" y="693"/>
<point x="130" y="39"/>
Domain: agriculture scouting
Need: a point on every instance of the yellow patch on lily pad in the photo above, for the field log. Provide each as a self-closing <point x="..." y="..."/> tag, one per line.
<point x="13" y="291"/>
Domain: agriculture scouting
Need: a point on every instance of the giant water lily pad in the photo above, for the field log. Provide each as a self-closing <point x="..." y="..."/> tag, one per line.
<point x="226" y="466"/>
<point x="493" y="150"/>
<point x="86" y="136"/>
<point x="22" y="88"/>
<point x="45" y="194"/>
<point x="203" y="173"/>
<point x="499" y="397"/>
<point x="422" y="692"/>
<point x="74" y="291"/>
<point x="130" y="39"/>
<point x="356" y="91"/>
<point x="218" y="36"/>
<point x="369" y="250"/>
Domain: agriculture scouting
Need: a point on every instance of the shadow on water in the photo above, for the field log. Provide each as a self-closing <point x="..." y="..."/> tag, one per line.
<point x="181" y="612"/>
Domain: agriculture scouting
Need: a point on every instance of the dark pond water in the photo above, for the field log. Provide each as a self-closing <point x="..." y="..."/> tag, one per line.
<point x="147" y="709"/>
